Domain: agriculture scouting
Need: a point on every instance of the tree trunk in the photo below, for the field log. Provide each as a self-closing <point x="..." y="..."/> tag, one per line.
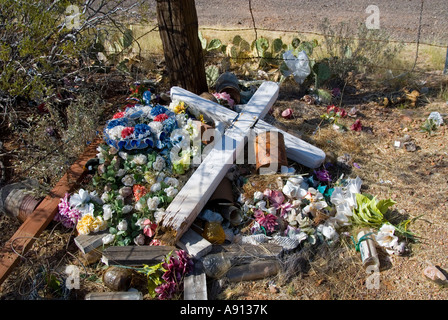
<point x="178" y="28"/>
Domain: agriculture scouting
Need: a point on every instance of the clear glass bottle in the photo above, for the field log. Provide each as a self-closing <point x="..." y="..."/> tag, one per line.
<point x="366" y="242"/>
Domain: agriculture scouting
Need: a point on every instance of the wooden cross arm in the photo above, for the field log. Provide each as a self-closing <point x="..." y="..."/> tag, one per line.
<point x="297" y="150"/>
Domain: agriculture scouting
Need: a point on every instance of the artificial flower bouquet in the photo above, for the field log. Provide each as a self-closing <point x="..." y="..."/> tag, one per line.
<point x="142" y="165"/>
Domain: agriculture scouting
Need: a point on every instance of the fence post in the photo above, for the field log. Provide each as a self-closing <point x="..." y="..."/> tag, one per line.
<point x="446" y="63"/>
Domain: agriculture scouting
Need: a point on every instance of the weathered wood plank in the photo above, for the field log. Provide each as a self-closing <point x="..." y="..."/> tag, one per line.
<point x="194" y="244"/>
<point x="136" y="255"/>
<point x="44" y="213"/>
<point x="89" y="242"/>
<point x="182" y="211"/>
<point x="195" y="284"/>
<point x="297" y="150"/>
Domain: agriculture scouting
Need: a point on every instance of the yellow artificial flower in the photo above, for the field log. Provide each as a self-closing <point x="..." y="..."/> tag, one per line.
<point x="84" y="225"/>
<point x="179" y="108"/>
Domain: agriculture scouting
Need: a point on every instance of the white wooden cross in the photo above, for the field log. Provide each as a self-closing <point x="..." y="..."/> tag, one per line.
<point x="192" y="198"/>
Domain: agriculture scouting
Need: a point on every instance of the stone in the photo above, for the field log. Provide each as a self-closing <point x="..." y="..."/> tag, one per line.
<point x="434" y="274"/>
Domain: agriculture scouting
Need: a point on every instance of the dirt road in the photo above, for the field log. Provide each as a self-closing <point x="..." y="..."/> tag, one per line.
<point x="399" y="18"/>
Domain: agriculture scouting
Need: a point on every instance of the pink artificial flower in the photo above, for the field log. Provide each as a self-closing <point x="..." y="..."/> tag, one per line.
<point x="356" y="126"/>
<point x="66" y="215"/>
<point x="287" y="114"/>
<point x="268" y="221"/>
<point x="149" y="228"/>
<point x="224" y="96"/>
<point x="155" y="242"/>
<point x="274" y="196"/>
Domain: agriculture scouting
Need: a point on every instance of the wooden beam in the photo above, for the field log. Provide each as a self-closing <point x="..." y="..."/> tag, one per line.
<point x="136" y="255"/>
<point x="297" y="150"/>
<point x="194" y="244"/>
<point x="184" y="209"/>
<point x="89" y="242"/>
<point x="195" y="284"/>
<point x="44" y="213"/>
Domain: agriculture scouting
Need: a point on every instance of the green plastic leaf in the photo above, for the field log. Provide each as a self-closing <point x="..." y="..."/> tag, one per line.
<point x="384" y="205"/>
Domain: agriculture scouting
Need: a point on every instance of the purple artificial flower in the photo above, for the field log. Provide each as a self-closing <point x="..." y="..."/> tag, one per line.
<point x="323" y="175"/>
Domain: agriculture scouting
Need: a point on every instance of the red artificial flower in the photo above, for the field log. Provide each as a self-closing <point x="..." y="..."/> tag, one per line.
<point x="342" y="113"/>
<point x="332" y="108"/>
<point x="127" y="131"/>
<point x="161" y="117"/>
<point x="118" y="115"/>
<point x="356" y="126"/>
<point x="139" y="191"/>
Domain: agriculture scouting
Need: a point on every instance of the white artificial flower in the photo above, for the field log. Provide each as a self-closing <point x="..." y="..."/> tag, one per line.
<point x="108" y="211"/>
<point x="140" y="223"/>
<point x="156" y="187"/>
<point x="172" y="182"/>
<point x="109" y="238"/>
<point x="86" y="209"/>
<point x="153" y="203"/>
<point x="329" y="232"/>
<point x="258" y="195"/>
<point x="105" y="196"/>
<point x="139" y="206"/>
<point x="261" y="205"/>
<point x="127" y="208"/>
<point x="122" y="225"/>
<point x="128" y="180"/>
<point x="171" y="191"/>
<point x="120" y="173"/>
<point x="80" y="198"/>
<point x="115" y="132"/>
<point x="123" y="155"/>
<point x="156" y="127"/>
<point x="159" y="164"/>
<point x="140" y="159"/>
<point x="385" y="236"/>
<point x="271" y="210"/>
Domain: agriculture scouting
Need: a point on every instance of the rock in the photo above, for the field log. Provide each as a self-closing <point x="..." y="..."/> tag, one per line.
<point x="434" y="274"/>
<point x="410" y="146"/>
<point x="273" y="288"/>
